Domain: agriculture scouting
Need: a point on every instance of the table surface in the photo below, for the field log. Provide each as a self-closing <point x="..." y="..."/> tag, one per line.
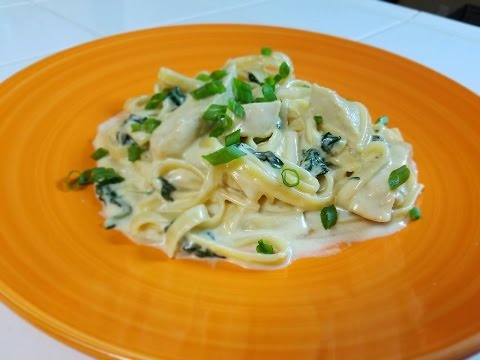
<point x="33" y="29"/>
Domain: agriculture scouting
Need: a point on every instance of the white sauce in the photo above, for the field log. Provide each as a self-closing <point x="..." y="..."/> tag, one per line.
<point x="226" y="209"/>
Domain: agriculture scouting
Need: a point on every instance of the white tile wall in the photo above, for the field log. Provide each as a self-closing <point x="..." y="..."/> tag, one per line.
<point x="348" y="18"/>
<point x="5" y="3"/>
<point x="453" y="50"/>
<point x="27" y="31"/>
<point x="114" y="16"/>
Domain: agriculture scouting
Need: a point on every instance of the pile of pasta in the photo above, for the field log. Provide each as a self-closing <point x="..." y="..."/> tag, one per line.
<point x="239" y="164"/>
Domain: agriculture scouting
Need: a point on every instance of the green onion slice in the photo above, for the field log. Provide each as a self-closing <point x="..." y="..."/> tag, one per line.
<point x="242" y="91"/>
<point x="266" y="51"/>
<point x="100" y="176"/>
<point x="329" y="216"/>
<point x="264" y="248"/>
<point x="383" y="120"/>
<point x="290" y="177"/>
<point x="270" y="81"/>
<point x="318" y="119"/>
<point x="71" y="180"/>
<point x="415" y="214"/>
<point x="150" y="125"/>
<point x="284" y="70"/>
<point x="134" y="152"/>
<point x="218" y="74"/>
<point x="398" y="177"/>
<point x="209" y="89"/>
<point x="236" y="108"/>
<point x="156" y="100"/>
<point x="224" y="155"/>
<point x="223" y="123"/>
<point x="136" y="127"/>
<point x="269" y="92"/>
<point x="233" y="138"/>
<point x="213" y="112"/>
<point x="203" y="77"/>
<point x="99" y="153"/>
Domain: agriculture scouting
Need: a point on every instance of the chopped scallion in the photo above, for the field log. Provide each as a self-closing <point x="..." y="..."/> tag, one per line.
<point x="290" y="177"/>
<point x="318" y="119"/>
<point x="242" y="91"/>
<point x="329" y="216"/>
<point x="224" y="155"/>
<point x="236" y="108"/>
<point x="398" y="177"/>
<point x="150" y="125"/>
<point x="270" y="81"/>
<point x="266" y="51"/>
<point x="264" y="248"/>
<point x="269" y="92"/>
<point x="203" y="77"/>
<point x="156" y="100"/>
<point x="99" y="153"/>
<point x="71" y="180"/>
<point x="233" y="138"/>
<point x="218" y="74"/>
<point x="222" y="123"/>
<point x="415" y="214"/>
<point x="136" y="127"/>
<point x="209" y="89"/>
<point x="284" y="70"/>
<point x="213" y="111"/>
<point x="134" y="152"/>
<point x="100" y="175"/>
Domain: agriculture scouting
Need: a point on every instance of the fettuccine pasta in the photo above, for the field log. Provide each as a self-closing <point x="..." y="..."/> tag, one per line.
<point x="250" y="165"/>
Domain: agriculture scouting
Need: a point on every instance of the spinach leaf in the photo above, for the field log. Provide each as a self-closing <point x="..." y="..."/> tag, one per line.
<point x="328" y="140"/>
<point x="253" y="78"/>
<point x="199" y="251"/>
<point x="313" y="162"/>
<point x="124" y="139"/>
<point x="270" y="157"/>
<point x="108" y="195"/>
<point x="177" y="96"/>
<point x="167" y="189"/>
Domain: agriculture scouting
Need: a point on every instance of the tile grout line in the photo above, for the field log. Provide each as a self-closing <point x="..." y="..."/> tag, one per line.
<point x="388" y="27"/>
<point x="218" y="11"/>
<point x="19" y="3"/>
<point x="168" y="22"/>
<point x="97" y="34"/>
<point x="83" y="27"/>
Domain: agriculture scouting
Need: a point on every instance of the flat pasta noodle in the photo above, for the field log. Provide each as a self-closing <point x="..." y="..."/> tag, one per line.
<point x="302" y="148"/>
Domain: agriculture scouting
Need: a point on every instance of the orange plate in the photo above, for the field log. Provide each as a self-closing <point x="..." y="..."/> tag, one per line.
<point x="416" y="293"/>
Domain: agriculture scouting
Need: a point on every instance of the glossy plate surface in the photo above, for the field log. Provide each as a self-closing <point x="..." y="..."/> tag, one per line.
<point x="416" y="293"/>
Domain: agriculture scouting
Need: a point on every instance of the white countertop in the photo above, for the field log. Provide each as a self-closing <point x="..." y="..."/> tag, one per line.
<point x="33" y="29"/>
